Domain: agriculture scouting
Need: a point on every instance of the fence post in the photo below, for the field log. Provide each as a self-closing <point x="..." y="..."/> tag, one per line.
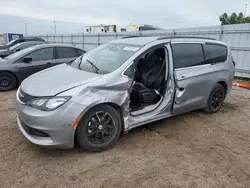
<point x="83" y="41"/>
<point x="174" y="33"/>
<point x="98" y="39"/>
<point x="221" y="32"/>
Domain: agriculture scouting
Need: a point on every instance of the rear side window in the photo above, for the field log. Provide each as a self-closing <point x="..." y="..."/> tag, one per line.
<point x="66" y="53"/>
<point x="187" y="55"/>
<point x="215" y="53"/>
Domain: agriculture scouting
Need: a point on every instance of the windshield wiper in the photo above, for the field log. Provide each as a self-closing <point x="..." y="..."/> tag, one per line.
<point x="80" y="62"/>
<point x="93" y="65"/>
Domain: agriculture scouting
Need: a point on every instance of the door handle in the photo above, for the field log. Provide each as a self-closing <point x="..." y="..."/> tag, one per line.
<point x="181" y="78"/>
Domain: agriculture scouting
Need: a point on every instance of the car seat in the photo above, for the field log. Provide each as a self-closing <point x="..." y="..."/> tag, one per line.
<point x="151" y="75"/>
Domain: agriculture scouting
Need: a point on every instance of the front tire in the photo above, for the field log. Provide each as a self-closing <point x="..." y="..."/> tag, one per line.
<point x="216" y="99"/>
<point x="99" y="128"/>
<point x="7" y="81"/>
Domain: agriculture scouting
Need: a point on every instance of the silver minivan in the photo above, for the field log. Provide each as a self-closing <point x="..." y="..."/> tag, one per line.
<point x="122" y="85"/>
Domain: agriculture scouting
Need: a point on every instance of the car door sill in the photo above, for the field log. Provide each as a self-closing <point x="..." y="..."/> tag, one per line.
<point x="147" y="109"/>
<point x="149" y="120"/>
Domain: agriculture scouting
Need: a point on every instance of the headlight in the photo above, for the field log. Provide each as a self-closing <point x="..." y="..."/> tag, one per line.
<point x="47" y="104"/>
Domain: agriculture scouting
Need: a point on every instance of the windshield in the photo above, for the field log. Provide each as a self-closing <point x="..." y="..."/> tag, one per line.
<point x="19" y="53"/>
<point x="9" y="43"/>
<point x="105" y="58"/>
<point x="15" y="46"/>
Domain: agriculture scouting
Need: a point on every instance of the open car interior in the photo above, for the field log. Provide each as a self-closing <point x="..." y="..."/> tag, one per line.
<point x="148" y="85"/>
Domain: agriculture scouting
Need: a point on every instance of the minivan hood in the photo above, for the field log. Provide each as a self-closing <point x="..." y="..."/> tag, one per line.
<point x="52" y="81"/>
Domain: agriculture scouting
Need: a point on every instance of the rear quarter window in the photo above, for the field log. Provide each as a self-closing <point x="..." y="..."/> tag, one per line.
<point x="66" y="52"/>
<point x="215" y="53"/>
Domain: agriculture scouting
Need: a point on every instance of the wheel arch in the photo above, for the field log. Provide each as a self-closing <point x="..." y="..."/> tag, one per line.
<point x="224" y="84"/>
<point x="112" y="104"/>
<point x="119" y="110"/>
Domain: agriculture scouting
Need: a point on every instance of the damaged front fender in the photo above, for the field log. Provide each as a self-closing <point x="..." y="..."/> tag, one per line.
<point x="103" y="91"/>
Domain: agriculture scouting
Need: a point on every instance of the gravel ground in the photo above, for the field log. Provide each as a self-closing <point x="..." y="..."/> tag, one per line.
<point x="190" y="150"/>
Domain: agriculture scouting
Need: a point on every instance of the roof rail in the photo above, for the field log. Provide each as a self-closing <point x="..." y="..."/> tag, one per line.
<point x="184" y="37"/>
<point x="126" y="37"/>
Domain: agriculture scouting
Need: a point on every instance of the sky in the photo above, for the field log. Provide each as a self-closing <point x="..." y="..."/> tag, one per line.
<point x="71" y="16"/>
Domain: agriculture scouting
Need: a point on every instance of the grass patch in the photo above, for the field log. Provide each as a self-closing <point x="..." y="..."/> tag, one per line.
<point x="242" y="79"/>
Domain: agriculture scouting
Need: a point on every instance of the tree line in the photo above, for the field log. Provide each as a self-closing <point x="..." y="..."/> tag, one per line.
<point x="234" y="18"/>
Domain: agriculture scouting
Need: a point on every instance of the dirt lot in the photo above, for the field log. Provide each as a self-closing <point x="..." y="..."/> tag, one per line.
<point x="191" y="150"/>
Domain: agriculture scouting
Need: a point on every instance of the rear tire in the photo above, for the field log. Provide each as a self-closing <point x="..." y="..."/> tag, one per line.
<point x="7" y="81"/>
<point x="99" y="128"/>
<point x="216" y="99"/>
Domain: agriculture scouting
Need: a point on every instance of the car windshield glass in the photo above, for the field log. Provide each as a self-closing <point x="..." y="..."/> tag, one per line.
<point x="9" y="43"/>
<point x="15" y="46"/>
<point x="19" y="54"/>
<point x="105" y="58"/>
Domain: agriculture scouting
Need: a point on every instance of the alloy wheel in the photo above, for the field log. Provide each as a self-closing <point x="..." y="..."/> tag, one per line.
<point x="101" y="128"/>
<point x="4" y="82"/>
<point x="217" y="100"/>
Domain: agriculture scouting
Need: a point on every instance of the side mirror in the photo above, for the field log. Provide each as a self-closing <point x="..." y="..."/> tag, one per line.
<point x="27" y="59"/>
<point x="17" y="50"/>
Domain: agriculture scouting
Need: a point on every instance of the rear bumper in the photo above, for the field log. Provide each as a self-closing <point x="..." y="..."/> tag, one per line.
<point x="229" y="86"/>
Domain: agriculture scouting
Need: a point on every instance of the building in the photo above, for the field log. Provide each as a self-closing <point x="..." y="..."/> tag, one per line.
<point x="115" y="28"/>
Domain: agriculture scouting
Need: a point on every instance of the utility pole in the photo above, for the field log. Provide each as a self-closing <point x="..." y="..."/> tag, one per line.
<point x="55" y="26"/>
<point x="245" y="14"/>
<point x="26" y="30"/>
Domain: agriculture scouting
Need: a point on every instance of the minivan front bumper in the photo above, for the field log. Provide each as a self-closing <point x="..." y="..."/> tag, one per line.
<point x="50" y="129"/>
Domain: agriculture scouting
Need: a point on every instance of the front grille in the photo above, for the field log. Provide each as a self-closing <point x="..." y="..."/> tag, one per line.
<point x="32" y="131"/>
<point x="24" y="97"/>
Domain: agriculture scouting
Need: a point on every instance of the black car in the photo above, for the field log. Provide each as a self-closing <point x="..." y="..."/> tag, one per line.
<point x="18" y="66"/>
<point x="20" y="46"/>
<point x="17" y="41"/>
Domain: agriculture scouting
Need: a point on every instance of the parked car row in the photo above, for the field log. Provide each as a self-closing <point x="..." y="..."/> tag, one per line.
<point x="115" y="87"/>
<point x="18" y="66"/>
<point x="17" y="47"/>
<point x="17" y="41"/>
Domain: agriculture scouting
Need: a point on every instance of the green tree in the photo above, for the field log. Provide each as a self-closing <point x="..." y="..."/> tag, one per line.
<point x="224" y="19"/>
<point x="233" y="19"/>
<point x="240" y="18"/>
<point x="247" y="19"/>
